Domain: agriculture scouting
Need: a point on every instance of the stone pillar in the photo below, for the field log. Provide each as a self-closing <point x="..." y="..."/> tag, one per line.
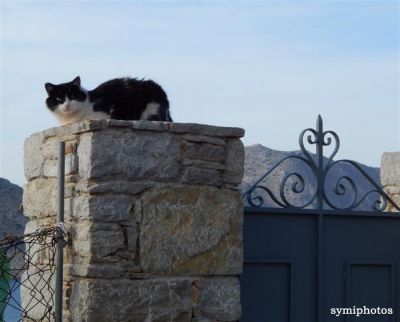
<point x="390" y="177"/>
<point x="154" y="214"/>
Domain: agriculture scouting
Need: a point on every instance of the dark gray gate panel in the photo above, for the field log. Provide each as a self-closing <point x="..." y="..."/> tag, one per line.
<point x="273" y="284"/>
<point x="376" y="293"/>
<point x="278" y="282"/>
<point x="361" y="262"/>
<point x="362" y="258"/>
<point x="329" y="246"/>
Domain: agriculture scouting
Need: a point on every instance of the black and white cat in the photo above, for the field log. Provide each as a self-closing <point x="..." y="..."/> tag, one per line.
<point x="120" y="98"/>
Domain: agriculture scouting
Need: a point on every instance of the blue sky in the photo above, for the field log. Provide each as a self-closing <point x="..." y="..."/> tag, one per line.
<point x="269" y="66"/>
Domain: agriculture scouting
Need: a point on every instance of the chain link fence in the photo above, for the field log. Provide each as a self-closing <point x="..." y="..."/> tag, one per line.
<point x="27" y="271"/>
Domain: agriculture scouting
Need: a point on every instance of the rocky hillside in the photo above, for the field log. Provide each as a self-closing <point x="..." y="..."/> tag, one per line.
<point x="260" y="159"/>
<point x="12" y="221"/>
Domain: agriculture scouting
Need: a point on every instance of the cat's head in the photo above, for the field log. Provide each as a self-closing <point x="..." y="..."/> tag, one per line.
<point x="66" y="99"/>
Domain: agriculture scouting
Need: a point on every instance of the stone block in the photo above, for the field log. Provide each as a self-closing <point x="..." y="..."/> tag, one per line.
<point x="234" y="162"/>
<point x="95" y="270"/>
<point x="80" y="231"/>
<point x="33" y="157"/>
<point x="150" y="125"/>
<point x="71" y="146"/>
<point x="71" y="164"/>
<point x="120" y="187"/>
<point x="197" y="175"/>
<point x="392" y="190"/>
<point x="50" y="168"/>
<point x="106" y="239"/>
<point x="133" y="300"/>
<point x="77" y="300"/>
<point x="210" y="130"/>
<point x="203" y="138"/>
<point x="109" y="208"/>
<point x="203" y="151"/>
<point x="70" y="130"/>
<point x="50" y="148"/>
<point x="390" y="169"/>
<point x="203" y="164"/>
<point x="129" y="155"/>
<point x="218" y="299"/>
<point x="40" y="198"/>
<point x="94" y="242"/>
<point x="191" y="230"/>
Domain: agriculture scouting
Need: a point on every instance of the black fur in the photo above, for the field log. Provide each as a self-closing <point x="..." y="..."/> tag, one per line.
<point x="118" y="97"/>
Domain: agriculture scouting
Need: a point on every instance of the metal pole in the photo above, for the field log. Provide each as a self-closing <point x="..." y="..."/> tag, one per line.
<point x="320" y="191"/>
<point x="60" y="239"/>
<point x="320" y="160"/>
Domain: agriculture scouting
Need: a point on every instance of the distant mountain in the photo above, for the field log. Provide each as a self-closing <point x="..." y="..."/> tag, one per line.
<point x="12" y="221"/>
<point x="260" y="159"/>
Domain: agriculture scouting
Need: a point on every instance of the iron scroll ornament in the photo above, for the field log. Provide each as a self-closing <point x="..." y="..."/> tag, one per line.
<point x="320" y="195"/>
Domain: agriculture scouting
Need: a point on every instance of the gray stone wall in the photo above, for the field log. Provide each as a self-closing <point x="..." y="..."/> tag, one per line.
<point x="390" y="177"/>
<point x="154" y="214"/>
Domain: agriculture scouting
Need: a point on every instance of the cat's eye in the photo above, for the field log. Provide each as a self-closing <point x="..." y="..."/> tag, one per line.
<point x="59" y="99"/>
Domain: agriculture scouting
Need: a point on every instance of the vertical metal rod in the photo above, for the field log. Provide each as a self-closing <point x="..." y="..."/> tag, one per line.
<point x="320" y="160"/>
<point x="60" y="239"/>
<point x="320" y="191"/>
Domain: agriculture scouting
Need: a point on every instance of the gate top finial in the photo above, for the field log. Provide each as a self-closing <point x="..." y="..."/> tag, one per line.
<point x="319" y="122"/>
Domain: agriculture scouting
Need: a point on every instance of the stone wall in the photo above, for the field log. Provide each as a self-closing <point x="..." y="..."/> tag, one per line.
<point x="390" y="177"/>
<point x="154" y="214"/>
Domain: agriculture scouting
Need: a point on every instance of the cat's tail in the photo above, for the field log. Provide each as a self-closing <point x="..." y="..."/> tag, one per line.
<point x="168" y="117"/>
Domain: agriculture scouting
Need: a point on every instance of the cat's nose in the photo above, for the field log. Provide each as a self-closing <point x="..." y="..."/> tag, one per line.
<point x="66" y="107"/>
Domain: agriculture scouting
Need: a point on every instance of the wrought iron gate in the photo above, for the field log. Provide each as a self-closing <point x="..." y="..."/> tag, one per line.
<point x="318" y="259"/>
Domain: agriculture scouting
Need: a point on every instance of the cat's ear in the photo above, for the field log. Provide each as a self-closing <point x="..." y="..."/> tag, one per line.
<point x="76" y="81"/>
<point x="48" y="87"/>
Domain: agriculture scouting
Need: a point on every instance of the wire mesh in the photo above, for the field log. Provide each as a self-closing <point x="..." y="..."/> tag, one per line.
<point x="27" y="267"/>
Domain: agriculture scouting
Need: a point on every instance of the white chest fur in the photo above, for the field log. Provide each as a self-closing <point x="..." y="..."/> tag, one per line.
<point x="78" y="112"/>
<point x="151" y="109"/>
